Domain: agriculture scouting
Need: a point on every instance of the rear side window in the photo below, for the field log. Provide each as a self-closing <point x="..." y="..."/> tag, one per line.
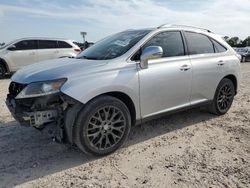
<point x="198" y="43"/>
<point x="26" y="45"/>
<point x="218" y="47"/>
<point x="47" y="44"/>
<point x="170" y="41"/>
<point x="63" y="44"/>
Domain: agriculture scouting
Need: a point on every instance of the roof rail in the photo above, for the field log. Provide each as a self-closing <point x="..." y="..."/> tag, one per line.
<point x="187" y="26"/>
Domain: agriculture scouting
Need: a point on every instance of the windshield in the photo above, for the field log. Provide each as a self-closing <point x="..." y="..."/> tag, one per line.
<point x="113" y="46"/>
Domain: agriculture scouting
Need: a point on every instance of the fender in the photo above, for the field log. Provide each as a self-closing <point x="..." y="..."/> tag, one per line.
<point x="126" y="81"/>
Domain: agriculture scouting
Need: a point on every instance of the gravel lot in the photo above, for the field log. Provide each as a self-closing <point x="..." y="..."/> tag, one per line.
<point x="188" y="149"/>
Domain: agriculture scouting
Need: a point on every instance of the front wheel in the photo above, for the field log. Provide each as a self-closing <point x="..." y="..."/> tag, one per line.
<point x="223" y="97"/>
<point x="102" y="126"/>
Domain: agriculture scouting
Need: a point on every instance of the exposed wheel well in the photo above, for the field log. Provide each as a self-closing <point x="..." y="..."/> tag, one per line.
<point x="234" y="80"/>
<point x="3" y="62"/>
<point x="127" y="101"/>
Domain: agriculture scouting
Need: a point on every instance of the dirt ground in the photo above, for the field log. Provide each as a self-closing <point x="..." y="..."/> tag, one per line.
<point x="188" y="149"/>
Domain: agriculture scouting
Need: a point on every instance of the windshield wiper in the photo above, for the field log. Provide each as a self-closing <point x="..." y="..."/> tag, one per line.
<point x="90" y="58"/>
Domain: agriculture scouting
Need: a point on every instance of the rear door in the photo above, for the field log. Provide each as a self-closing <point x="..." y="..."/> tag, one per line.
<point x="47" y="49"/>
<point x="23" y="54"/>
<point x="65" y="49"/>
<point x="166" y="84"/>
<point x="207" y="63"/>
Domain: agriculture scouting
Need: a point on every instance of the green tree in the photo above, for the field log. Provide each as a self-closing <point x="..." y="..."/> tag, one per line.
<point x="226" y="38"/>
<point x="235" y="42"/>
<point x="246" y="42"/>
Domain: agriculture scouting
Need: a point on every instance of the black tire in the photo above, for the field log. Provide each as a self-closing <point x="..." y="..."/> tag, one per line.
<point x="2" y="71"/>
<point x="243" y="59"/>
<point x="96" y="136"/>
<point x="223" y="97"/>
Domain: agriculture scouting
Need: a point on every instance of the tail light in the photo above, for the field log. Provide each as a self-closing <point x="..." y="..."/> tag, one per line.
<point x="77" y="50"/>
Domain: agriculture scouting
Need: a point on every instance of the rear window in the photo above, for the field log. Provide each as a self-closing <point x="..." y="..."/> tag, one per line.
<point x="198" y="43"/>
<point x="47" y="44"/>
<point x="218" y="47"/>
<point x="63" y="44"/>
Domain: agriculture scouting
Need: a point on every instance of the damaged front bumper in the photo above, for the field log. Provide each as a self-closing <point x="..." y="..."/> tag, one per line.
<point x="35" y="112"/>
<point x="58" y="110"/>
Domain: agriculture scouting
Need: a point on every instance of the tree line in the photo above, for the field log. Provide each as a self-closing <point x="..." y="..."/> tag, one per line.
<point x="237" y="42"/>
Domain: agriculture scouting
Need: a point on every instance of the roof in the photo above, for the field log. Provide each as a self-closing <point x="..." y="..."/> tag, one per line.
<point x="183" y="27"/>
<point x="43" y="38"/>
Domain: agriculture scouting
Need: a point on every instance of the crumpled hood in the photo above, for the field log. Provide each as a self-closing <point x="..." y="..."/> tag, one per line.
<point x="55" y="69"/>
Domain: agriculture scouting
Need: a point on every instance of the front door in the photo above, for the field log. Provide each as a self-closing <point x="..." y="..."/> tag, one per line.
<point x="166" y="84"/>
<point x="23" y="54"/>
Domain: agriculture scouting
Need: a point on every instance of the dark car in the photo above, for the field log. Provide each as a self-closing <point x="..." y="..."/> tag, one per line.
<point x="245" y="53"/>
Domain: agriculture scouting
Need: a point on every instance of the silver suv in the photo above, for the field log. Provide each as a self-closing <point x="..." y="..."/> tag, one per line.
<point x="26" y="51"/>
<point x="125" y="79"/>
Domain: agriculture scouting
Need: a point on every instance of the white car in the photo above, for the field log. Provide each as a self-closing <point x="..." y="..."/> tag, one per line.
<point x="26" y="51"/>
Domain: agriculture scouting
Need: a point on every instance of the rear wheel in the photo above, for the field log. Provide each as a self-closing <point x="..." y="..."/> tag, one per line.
<point x="2" y="71"/>
<point x="102" y="126"/>
<point x="223" y="98"/>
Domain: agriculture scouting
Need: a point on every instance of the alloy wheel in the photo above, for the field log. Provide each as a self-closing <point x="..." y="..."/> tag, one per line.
<point x="225" y="97"/>
<point x="106" y="127"/>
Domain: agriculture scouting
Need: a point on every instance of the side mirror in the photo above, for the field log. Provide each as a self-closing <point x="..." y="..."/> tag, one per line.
<point x="150" y="52"/>
<point x="12" y="47"/>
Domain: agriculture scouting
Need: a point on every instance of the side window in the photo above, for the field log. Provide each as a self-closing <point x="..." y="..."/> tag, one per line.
<point x="26" y="45"/>
<point x="47" y="44"/>
<point x="170" y="41"/>
<point x="218" y="47"/>
<point x="63" y="44"/>
<point x="198" y="43"/>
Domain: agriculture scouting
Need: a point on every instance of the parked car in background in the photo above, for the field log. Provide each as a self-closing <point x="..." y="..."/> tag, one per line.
<point x="244" y="53"/>
<point x="125" y="79"/>
<point x="85" y="45"/>
<point x="26" y="51"/>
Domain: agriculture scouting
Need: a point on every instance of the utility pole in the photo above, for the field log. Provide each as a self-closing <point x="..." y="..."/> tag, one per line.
<point x="83" y="36"/>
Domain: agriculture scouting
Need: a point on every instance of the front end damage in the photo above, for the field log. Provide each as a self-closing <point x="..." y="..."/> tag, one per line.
<point x="42" y="112"/>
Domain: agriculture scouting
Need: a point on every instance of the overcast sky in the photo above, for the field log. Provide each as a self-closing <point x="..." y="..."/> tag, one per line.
<point x="62" y="18"/>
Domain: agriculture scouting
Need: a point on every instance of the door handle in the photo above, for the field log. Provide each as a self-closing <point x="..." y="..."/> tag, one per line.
<point x="185" y="67"/>
<point x="220" y="63"/>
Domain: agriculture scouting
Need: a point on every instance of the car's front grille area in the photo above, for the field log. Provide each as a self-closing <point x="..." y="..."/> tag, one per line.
<point x="15" y="88"/>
